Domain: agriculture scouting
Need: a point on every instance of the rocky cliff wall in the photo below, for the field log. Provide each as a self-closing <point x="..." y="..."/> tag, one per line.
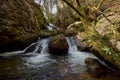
<point x="20" y="20"/>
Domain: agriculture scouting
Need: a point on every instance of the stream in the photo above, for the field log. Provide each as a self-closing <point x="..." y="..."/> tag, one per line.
<point x="35" y="63"/>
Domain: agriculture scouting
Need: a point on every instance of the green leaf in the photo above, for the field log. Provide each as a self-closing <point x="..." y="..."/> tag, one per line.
<point x="106" y="49"/>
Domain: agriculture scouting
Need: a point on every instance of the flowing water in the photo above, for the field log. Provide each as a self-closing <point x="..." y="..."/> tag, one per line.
<point x="35" y="63"/>
<point x="50" y="26"/>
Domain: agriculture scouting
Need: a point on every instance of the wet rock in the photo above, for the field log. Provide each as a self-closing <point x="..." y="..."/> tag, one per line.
<point x="118" y="46"/>
<point x="80" y="44"/>
<point x="95" y="68"/>
<point x="58" y="45"/>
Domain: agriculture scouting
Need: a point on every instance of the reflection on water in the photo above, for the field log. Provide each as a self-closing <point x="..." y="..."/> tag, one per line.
<point x="43" y="66"/>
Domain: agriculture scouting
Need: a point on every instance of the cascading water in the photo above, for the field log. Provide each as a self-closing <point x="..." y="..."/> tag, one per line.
<point x="40" y="65"/>
<point x="36" y="47"/>
<point x="40" y="53"/>
<point x="41" y="46"/>
<point x="72" y="45"/>
<point x="41" y="58"/>
<point x="50" y="26"/>
<point x="26" y="51"/>
<point x="76" y="56"/>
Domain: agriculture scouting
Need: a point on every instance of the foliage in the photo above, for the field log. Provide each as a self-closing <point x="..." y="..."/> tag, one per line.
<point x="107" y="50"/>
<point x="58" y="13"/>
<point x="49" y="9"/>
<point x="89" y="14"/>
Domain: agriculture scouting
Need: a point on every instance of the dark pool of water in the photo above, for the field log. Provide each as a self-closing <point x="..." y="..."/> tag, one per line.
<point x="48" y="67"/>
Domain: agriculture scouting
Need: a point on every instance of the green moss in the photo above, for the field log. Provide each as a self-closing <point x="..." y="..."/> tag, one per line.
<point x="39" y="15"/>
<point x="104" y="50"/>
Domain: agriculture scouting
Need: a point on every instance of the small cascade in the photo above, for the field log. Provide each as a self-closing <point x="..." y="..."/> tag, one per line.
<point x="38" y="47"/>
<point x="42" y="46"/>
<point x="50" y="26"/>
<point x="72" y="45"/>
<point x="43" y="66"/>
<point x="42" y="58"/>
<point x="76" y="56"/>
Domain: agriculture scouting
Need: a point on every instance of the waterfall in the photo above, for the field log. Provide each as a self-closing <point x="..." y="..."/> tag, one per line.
<point x="44" y="45"/>
<point x="72" y="45"/>
<point x="37" y="46"/>
<point x="39" y="56"/>
<point x="40" y="47"/>
<point x="42" y="58"/>
<point x="76" y="56"/>
<point x="50" y="26"/>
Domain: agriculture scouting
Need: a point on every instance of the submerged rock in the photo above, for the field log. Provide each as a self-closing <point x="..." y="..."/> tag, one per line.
<point x="95" y="68"/>
<point x="58" y="45"/>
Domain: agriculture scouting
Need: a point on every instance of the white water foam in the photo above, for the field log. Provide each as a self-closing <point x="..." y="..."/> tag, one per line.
<point x="50" y="26"/>
<point x="76" y="56"/>
<point x="41" y="58"/>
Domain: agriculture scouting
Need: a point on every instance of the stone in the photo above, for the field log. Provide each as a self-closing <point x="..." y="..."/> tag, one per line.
<point x="95" y="68"/>
<point x="58" y="45"/>
<point x="20" y="23"/>
<point x="80" y="44"/>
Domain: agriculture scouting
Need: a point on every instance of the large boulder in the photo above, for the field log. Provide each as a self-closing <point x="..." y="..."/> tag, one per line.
<point x="80" y="44"/>
<point x="58" y="45"/>
<point x="95" y="68"/>
<point x="20" y="23"/>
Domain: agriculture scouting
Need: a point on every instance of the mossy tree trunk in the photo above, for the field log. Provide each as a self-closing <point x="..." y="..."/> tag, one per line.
<point x="94" y="39"/>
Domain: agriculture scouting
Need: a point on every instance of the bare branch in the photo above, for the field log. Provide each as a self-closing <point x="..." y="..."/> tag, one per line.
<point x="100" y="3"/>
<point x="103" y="15"/>
<point x="80" y="14"/>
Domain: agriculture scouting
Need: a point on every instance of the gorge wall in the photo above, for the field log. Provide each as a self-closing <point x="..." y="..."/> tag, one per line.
<point x="20" y="23"/>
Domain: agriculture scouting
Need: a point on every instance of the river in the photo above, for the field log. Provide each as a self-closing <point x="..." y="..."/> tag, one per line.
<point x="35" y="63"/>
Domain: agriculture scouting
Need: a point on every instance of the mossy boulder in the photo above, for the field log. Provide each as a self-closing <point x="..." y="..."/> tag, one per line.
<point x="58" y="45"/>
<point x="95" y="68"/>
<point x="20" y="21"/>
